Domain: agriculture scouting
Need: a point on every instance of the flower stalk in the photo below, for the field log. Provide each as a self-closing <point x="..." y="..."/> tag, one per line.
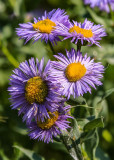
<point x="71" y="141"/>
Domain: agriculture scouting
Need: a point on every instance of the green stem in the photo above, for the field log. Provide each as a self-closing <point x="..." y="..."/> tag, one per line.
<point x="71" y="140"/>
<point x="11" y="59"/>
<point x="112" y="14"/>
<point x="70" y="149"/>
<point x="79" y="46"/>
<point x="86" y="106"/>
<point x="51" y="47"/>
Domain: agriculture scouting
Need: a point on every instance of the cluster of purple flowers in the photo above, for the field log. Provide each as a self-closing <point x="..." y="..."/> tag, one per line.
<point x="39" y="92"/>
<point x="34" y="94"/>
<point x="103" y="5"/>
<point x="56" y="23"/>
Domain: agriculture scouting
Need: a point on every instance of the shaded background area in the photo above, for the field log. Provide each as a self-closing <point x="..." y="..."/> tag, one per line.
<point x="12" y="50"/>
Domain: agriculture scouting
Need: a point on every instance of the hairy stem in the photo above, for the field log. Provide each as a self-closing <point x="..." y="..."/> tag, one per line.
<point x="71" y="141"/>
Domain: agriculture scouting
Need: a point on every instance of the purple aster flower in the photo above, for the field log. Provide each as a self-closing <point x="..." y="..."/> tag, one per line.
<point x="85" y="32"/>
<point x="101" y="4"/>
<point x="43" y="27"/>
<point x="76" y="73"/>
<point x="32" y="92"/>
<point x="45" y="131"/>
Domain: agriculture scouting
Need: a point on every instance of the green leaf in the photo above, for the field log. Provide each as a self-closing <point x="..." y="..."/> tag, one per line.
<point x="106" y="51"/>
<point x="75" y="129"/>
<point x="9" y="56"/>
<point x="79" y="3"/>
<point x="4" y="75"/>
<point x="94" y="124"/>
<point x="97" y="19"/>
<point x="107" y="93"/>
<point x="102" y="110"/>
<point x="81" y="108"/>
<point x="85" y="155"/>
<point x="100" y="155"/>
<point x="17" y="6"/>
<point x="7" y="31"/>
<point x="82" y="122"/>
<point x="87" y="135"/>
<point x="30" y="154"/>
<point x="12" y="2"/>
<point x="3" y="156"/>
<point x="37" y="50"/>
<point x="18" y="9"/>
<point x="91" y="145"/>
<point x="58" y="146"/>
<point x="2" y="7"/>
<point x="17" y="153"/>
<point x="76" y="101"/>
<point x="3" y="119"/>
<point x="20" y="130"/>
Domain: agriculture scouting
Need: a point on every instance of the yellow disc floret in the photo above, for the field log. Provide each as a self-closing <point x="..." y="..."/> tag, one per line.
<point x="75" y="71"/>
<point x="87" y="33"/>
<point x="44" y="26"/>
<point x="49" y="122"/>
<point x="36" y="90"/>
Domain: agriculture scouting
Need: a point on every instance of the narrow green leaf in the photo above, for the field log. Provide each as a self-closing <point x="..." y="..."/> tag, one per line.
<point x="30" y="154"/>
<point x="3" y="156"/>
<point x="94" y="124"/>
<point x="9" y="56"/>
<point x="97" y="19"/>
<point x="20" y="130"/>
<point x="18" y="7"/>
<point x="12" y="3"/>
<point x="3" y="119"/>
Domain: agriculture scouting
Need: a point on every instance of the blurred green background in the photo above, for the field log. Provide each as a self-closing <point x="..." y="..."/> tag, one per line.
<point x="14" y="142"/>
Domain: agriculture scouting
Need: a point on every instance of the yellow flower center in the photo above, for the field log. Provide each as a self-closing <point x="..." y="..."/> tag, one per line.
<point x="49" y="122"/>
<point x="87" y="33"/>
<point x="36" y="90"/>
<point x="44" y="26"/>
<point x="75" y="71"/>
